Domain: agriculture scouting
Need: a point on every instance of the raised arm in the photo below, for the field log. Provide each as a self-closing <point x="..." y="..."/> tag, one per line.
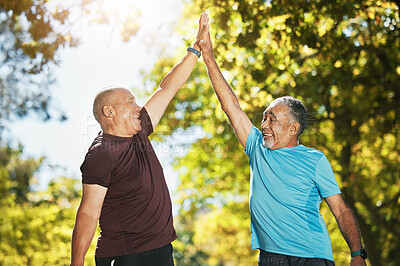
<point x="86" y="221"/>
<point x="347" y="224"/>
<point x="227" y="97"/>
<point x="174" y="80"/>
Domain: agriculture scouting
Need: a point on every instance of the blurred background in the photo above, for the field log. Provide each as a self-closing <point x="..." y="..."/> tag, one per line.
<point x="342" y="59"/>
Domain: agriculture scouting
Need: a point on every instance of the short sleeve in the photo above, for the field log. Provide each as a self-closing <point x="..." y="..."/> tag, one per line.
<point x="97" y="167"/>
<point x="325" y="178"/>
<point x="253" y="140"/>
<point x="147" y="126"/>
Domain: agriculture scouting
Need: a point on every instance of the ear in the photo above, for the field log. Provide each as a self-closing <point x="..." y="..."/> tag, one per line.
<point x="294" y="128"/>
<point x="108" y="111"/>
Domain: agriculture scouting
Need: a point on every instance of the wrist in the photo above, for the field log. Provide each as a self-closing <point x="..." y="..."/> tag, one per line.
<point x="196" y="46"/>
<point x="208" y="57"/>
<point x="194" y="51"/>
<point x="362" y="253"/>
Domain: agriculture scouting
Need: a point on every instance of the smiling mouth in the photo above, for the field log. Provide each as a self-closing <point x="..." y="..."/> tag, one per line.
<point x="267" y="135"/>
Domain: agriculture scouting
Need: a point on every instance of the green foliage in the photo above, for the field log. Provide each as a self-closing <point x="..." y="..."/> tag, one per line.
<point x="31" y="34"/>
<point x="342" y="59"/>
<point x="35" y="226"/>
<point x="15" y="175"/>
<point x="36" y="235"/>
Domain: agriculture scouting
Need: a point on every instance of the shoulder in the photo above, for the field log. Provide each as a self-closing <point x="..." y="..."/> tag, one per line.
<point x="255" y="134"/>
<point x="311" y="152"/>
<point x="98" y="142"/>
<point x="301" y="153"/>
<point x="318" y="159"/>
<point x="97" y="165"/>
<point x="254" y="139"/>
<point x="99" y="148"/>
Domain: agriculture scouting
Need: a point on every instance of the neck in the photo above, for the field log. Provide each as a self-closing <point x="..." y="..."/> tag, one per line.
<point x="112" y="130"/>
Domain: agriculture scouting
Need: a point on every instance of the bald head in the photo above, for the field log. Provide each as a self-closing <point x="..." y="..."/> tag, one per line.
<point x="105" y="97"/>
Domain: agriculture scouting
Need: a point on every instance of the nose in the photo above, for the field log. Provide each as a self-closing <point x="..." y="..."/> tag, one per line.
<point x="265" y="124"/>
<point x="138" y="108"/>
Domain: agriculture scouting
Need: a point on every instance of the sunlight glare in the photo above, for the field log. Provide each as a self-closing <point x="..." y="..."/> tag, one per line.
<point x="119" y="8"/>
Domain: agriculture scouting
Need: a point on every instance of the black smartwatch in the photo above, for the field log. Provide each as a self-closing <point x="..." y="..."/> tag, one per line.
<point x="361" y="252"/>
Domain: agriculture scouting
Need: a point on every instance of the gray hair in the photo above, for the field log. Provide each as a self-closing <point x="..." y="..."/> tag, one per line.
<point x="297" y="110"/>
<point x="104" y="97"/>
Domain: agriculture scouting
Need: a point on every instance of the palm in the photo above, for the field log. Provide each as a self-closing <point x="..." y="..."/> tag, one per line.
<point x="202" y="34"/>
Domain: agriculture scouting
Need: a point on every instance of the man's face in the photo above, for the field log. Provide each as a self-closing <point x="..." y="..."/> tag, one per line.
<point x="127" y="113"/>
<point x="276" y="125"/>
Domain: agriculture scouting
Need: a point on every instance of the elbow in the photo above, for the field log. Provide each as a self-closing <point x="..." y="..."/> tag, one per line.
<point x="226" y="107"/>
<point x="91" y="214"/>
<point x="230" y="107"/>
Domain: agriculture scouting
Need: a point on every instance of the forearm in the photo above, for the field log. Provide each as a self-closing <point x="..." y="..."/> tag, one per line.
<point x="347" y="224"/>
<point x="179" y="74"/>
<point x="349" y="228"/>
<point x="223" y="90"/>
<point x="169" y="86"/>
<point x="175" y="79"/>
<point x="82" y="236"/>
<point x="226" y="96"/>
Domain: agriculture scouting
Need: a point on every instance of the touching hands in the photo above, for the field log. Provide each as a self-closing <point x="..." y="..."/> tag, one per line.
<point x="203" y="30"/>
<point x="205" y="43"/>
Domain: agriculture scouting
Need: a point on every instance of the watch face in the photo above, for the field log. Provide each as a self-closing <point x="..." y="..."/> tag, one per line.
<point x="363" y="254"/>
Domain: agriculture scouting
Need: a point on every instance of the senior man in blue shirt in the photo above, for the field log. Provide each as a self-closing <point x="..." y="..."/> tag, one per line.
<point x="287" y="182"/>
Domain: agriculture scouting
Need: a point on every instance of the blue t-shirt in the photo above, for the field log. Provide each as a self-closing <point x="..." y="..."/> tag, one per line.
<point x="286" y="186"/>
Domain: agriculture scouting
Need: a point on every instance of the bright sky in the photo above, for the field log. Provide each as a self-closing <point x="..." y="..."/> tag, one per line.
<point x="100" y="60"/>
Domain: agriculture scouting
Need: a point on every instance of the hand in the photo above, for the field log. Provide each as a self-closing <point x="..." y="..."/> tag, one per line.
<point x="357" y="261"/>
<point x="203" y="30"/>
<point x="206" y="44"/>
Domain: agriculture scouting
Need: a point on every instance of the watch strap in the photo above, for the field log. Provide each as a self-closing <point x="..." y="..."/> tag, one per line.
<point x="356" y="253"/>
<point x="362" y="252"/>
<point x="196" y="52"/>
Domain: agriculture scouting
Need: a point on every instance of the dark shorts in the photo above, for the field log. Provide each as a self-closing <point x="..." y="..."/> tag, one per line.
<point x="159" y="256"/>
<point x="273" y="259"/>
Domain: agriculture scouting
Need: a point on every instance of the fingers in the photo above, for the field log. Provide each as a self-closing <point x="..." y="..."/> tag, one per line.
<point x="203" y="26"/>
<point x="203" y="19"/>
<point x="205" y="37"/>
<point x="206" y="19"/>
<point x="204" y="31"/>
<point x="202" y="44"/>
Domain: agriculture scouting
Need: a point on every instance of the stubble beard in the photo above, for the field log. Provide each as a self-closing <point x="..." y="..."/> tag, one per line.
<point x="268" y="143"/>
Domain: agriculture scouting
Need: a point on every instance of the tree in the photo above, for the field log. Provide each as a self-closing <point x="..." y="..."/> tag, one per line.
<point x="342" y="59"/>
<point x="35" y="227"/>
<point x="31" y="35"/>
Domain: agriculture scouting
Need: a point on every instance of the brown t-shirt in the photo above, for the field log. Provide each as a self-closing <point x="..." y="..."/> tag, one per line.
<point x="137" y="211"/>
